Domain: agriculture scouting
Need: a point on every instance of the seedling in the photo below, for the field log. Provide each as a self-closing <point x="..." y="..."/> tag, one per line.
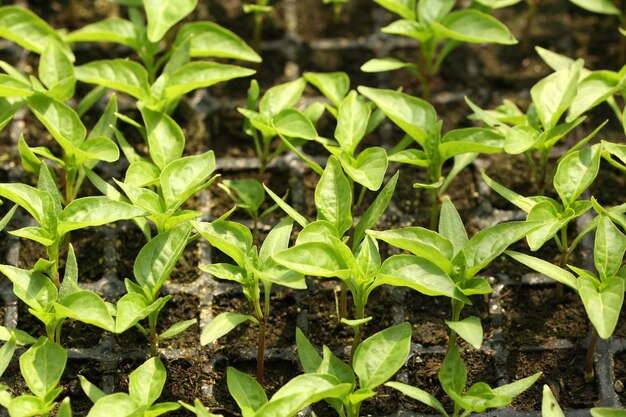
<point x="337" y="7"/>
<point x="418" y="120"/>
<point x="476" y="399"/>
<point x="322" y="250"/>
<point x="292" y="397"/>
<point x="571" y="89"/>
<point x="54" y="221"/>
<point x="152" y="268"/>
<point x="259" y="9"/>
<point x="249" y="195"/>
<point x="375" y="361"/>
<point x="439" y="31"/>
<point x="575" y="172"/>
<point x="602" y="294"/>
<point x="145" y="385"/>
<point x="42" y="366"/>
<point x="253" y="267"/>
<point x="450" y="258"/>
<point x="276" y="117"/>
<point x="52" y="305"/>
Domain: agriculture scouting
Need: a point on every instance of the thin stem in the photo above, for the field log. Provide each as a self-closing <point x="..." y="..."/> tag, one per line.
<point x="57" y="332"/>
<point x="534" y="174"/>
<point x="336" y="13"/>
<point x="563" y="260"/>
<point x="152" y="320"/>
<point x="435" y="204"/>
<point x="457" y="306"/>
<point x="343" y="301"/>
<point x="589" y="356"/>
<point x="530" y="17"/>
<point x="258" y="32"/>
<point x="360" y="314"/>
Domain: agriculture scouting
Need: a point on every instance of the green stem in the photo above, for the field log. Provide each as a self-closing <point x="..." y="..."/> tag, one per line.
<point x="530" y="18"/>
<point x="457" y="306"/>
<point x="563" y="260"/>
<point x="57" y="332"/>
<point x="258" y="32"/>
<point x="435" y="206"/>
<point x="152" y="320"/>
<point x="360" y="314"/>
<point x="534" y="174"/>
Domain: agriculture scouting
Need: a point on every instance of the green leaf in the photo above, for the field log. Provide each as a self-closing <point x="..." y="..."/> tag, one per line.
<point x="42" y="366"/>
<point x="576" y="172"/>
<point x="276" y="240"/>
<point x="473" y="26"/>
<point x="375" y="210"/>
<point x="281" y="97"/>
<point x="234" y="239"/>
<point x="451" y="227"/>
<point x="593" y="90"/>
<point x="418" y="274"/>
<point x="384" y="65"/>
<point x="157" y="258"/>
<point x="419" y="395"/>
<point x="113" y="30"/>
<point x="221" y="325"/>
<point x="12" y="87"/>
<point x="121" y="402"/>
<point x="143" y="198"/>
<point x="333" y="197"/>
<point x="118" y="74"/>
<point x="20" y="336"/>
<point x="472" y="139"/>
<point x="146" y="382"/>
<point x="65" y="409"/>
<point x="92" y="391"/>
<point x="247" y="193"/>
<point x="487" y="244"/>
<point x="546" y="268"/>
<point x="59" y="119"/>
<point x="607" y="412"/>
<point x="414" y="116"/>
<point x="405" y="8"/>
<point x="598" y="6"/>
<point x="87" y="307"/>
<point x="6" y="354"/>
<point x="368" y="169"/>
<point x="246" y="391"/>
<point x="549" y="405"/>
<point x="608" y="249"/>
<point x="163" y="14"/>
<point x="177" y="328"/>
<point x="56" y="68"/>
<point x="291" y="212"/>
<point x="166" y="140"/>
<point x="25" y="28"/>
<point x="421" y="242"/>
<point x="453" y="373"/>
<point x="602" y="304"/>
<point x="181" y="178"/>
<point x="352" y="118"/>
<point x="28" y="405"/>
<point x="380" y="356"/>
<point x="368" y="258"/>
<point x="470" y="329"/>
<point x="520" y="138"/>
<point x="521" y="202"/>
<point x="514" y="389"/>
<point x="195" y="75"/>
<point x="479" y="397"/>
<point x="555" y="93"/>
<point x="301" y="391"/>
<point x="36" y="202"/>
<point x="208" y="39"/>
<point x="33" y="288"/>
<point x="308" y="356"/>
<point x="552" y="220"/>
<point x="293" y="123"/>
<point x="316" y="259"/>
<point x="94" y="211"/>
<point x="433" y="10"/>
<point x="142" y="173"/>
<point x="132" y="308"/>
<point x="334" y="85"/>
<point x="98" y="149"/>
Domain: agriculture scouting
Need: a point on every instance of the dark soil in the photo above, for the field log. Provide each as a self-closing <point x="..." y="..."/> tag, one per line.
<point x="619" y="361"/>
<point x="532" y="316"/>
<point x="561" y="370"/>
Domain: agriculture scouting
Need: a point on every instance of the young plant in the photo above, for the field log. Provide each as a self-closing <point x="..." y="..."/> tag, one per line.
<point x="292" y="397"/>
<point x="375" y="361"/>
<point x="337" y="7"/>
<point x="259" y="9"/>
<point x="253" y="267"/>
<point x="570" y="90"/>
<point x="168" y="74"/>
<point x="54" y="221"/>
<point x="449" y="256"/>
<point x="41" y="366"/>
<point x="602" y="293"/>
<point x="145" y="385"/>
<point x="152" y="268"/>
<point x="418" y="120"/>
<point x="276" y="117"/>
<point x="575" y="172"/>
<point x="249" y="195"/>
<point x="51" y="304"/>
<point x="332" y="247"/>
<point x="439" y="31"/>
<point x="474" y="399"/>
